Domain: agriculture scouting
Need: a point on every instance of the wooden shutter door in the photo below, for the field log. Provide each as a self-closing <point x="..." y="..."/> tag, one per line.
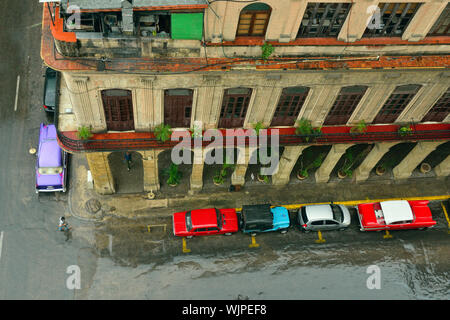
<point x="178" y="107"/>
<point x="118" y="107"/>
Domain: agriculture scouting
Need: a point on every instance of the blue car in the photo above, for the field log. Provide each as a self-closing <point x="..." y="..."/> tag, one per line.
<point x="262" y="218"/>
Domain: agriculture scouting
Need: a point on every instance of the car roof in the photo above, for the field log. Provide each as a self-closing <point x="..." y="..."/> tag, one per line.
<point x="50" y="91"/>
<point x="319" y="212"/>
<point x="204" y="218"/>
<point x="49" y="150"/>
<point x="396" y="210"/>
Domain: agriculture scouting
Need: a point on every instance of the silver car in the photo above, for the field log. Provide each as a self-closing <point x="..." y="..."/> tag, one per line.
<point x="323" y="217"/>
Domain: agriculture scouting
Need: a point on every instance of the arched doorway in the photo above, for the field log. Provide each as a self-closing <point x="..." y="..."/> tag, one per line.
<point x="253" y="20"/>
<point x="118" y="107"/>
<point x="127" y="181"/>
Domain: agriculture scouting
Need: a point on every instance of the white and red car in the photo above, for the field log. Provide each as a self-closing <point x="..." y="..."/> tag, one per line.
<point x="395" y="215"/>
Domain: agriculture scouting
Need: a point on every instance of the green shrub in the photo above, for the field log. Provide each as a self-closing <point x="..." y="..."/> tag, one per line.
<point x="174" y="174"/>
<point x="163" y="132"/>
<point x="84" y="133"/>
<point x="267" y="50"/>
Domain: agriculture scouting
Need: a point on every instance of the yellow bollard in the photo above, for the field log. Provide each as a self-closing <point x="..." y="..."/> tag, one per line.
<point x="320" y="240"/>
<point x="185" y="249"/>
<point x="387" y="235"/>
<point x="446" y="216"/>
<point x="253" y="244"/>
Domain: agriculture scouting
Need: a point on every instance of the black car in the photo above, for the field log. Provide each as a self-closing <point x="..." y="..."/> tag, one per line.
<point x="264" y="218"/>
<point x="50" y="89"/>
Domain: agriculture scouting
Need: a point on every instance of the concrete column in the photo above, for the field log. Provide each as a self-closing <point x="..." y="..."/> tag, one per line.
<point x="376" y="98"/>
<point x="151" y="172"/>
<point x="356" y="22"/>
<point x="264" y="100"/>
<point x="292" y="21"/>
<point x="238" y="176"/>
<point x="144" y="118"/>
<point x="405" y="168"/>
<point x="86" y="111"/>
<point x="286" y="164"/>
<point x="197" y="170"/>
<point x="231" y="15"/>
<point x="101" y="172"/>
<point x="322" y="99"/>
<point x="443" y="168"/>
<point x="378" y="151"/>
<point x="423" y="104"/>
<point x="205" y="97"/>
<point x="423" y="20"/>
<point x="277" y="20"/>
<point x="332" y="158"/>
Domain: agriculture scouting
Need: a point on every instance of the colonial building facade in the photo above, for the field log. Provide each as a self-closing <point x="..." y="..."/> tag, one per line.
<point x="129" y="66"/>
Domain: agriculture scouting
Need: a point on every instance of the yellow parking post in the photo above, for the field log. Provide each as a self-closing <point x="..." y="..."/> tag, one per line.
<point x="446" y="216"/>
<point x="320" y="240"/>
<point x="253" y="244"/>
<point x="387" y="235"/>
<point x="185" y="249"/>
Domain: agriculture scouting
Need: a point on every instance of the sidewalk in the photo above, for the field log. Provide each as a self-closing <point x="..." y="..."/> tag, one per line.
<point x="86" y="204"/>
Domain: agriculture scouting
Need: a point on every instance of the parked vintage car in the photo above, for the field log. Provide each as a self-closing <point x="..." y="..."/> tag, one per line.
<point x="263" y="218"/>
<point x="50" y="89"/>
<point x="51" y="162"/>
<point x="323" y="217"/>
<point x="395" y="215"/>
<point x="202" y="222"/>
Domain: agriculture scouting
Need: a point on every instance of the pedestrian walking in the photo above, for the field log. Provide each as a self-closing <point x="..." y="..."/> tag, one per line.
<point x="64" y="227"/>
<point x="128" y="160"/>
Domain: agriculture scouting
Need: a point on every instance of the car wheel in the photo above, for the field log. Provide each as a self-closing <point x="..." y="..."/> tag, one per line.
<point x="284" y="231"/>
<point x="342" y="229"/>
<point x="422" y="229"/>
<point x="189" y="237"/>
<point x="228" y="234"/>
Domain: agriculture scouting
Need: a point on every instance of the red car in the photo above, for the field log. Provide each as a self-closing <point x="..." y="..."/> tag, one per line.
<point x="395" y="215"/>
<point x="203" y="222"/>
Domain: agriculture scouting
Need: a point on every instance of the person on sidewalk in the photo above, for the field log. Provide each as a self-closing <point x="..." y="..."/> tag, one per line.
<point x="128" y="160"/>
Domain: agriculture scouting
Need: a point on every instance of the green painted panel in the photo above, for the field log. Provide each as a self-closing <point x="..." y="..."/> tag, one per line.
<point x="187" y="26"/>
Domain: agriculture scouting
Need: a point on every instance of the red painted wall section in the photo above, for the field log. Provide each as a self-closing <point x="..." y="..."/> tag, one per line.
<point x="58" y="30"/>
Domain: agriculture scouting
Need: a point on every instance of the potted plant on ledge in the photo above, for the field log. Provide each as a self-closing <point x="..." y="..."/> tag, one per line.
<point x="219" y="177"/>
<point x="316" y="163"/>
<point x="84" y="133"/>
<point x="305" y="128"/>
<point x="163" y="132"/>
<point x="174" y="175"/>
<point x="359" y="128"/>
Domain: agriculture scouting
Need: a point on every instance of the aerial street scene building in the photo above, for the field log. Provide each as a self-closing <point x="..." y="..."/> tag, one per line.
<point x="226" y="150"/>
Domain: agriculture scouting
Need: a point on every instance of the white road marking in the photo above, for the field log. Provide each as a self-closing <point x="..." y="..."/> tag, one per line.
<point x="110" y="244"/>
<point x="17" y="93"/>
<point x="34" y="25"/>
<point x="1" y="243"/>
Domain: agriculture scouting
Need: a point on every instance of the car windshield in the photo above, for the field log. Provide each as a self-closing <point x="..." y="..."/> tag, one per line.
<point x="337" y="213"/>
<point x="219" y="219"/>
<point x="188" y="221"/>
<point x="304" y="217"/>
<point x="50" y="170"/>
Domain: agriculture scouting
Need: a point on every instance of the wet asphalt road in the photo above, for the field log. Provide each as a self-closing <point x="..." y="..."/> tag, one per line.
<point x="413" y="264"/>
<point x="34" y="256"/>
<point x="121" y="260"/>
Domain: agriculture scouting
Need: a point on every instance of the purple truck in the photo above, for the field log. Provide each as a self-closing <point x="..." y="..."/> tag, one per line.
<point x="51" y="162"/>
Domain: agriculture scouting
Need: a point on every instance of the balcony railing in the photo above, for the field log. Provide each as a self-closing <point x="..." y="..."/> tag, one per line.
<point x="286" y="137"/>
